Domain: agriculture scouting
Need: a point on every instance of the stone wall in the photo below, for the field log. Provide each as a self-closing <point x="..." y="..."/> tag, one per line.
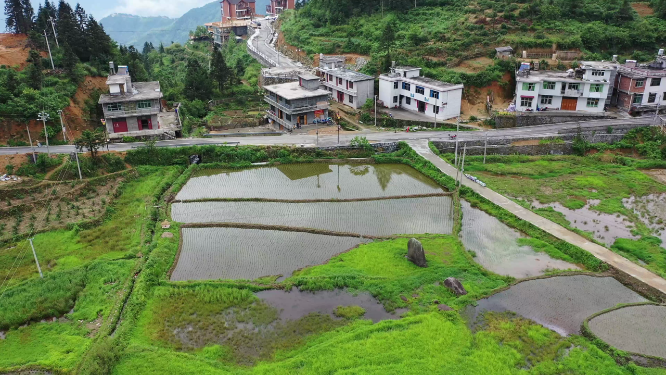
<point x="543" y="118"/>
<point x="385" y="147"/>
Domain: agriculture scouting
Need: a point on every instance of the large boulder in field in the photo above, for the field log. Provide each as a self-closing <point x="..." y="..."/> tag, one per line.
<point x="415" y="253"/>
<point x="455" y="285"/>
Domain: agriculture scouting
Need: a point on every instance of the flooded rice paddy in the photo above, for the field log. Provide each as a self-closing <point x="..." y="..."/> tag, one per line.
<point x="371" y="218"/>
<point x="309" y="181"/>
<point x="229" y="253"/>
<point x="605" y="227"/>
<point x="559" y="303"/>
<point x="652" y="211"/>
<point x="637" y="329"/>
<point x="296" y="304"/>
<point x="497" y="249"/>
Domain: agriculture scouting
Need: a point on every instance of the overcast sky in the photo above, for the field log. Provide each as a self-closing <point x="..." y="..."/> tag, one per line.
<point x="100" y="9"/>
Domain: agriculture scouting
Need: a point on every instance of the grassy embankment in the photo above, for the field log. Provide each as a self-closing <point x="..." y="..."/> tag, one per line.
<point x="87" y="271"/>
<point x="574" y="181"/>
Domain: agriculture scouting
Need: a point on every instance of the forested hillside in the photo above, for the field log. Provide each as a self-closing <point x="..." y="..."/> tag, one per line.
<point x="440" y="34"/>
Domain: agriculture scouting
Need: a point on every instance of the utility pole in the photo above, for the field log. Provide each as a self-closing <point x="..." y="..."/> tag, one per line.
<point x="436" y="109"/>
<point x="375" y="111"/>
<point x="55" y="35"/>
<point x="455" y="160"/>
<point x="462" y="165"/>
<point x="656" y="114"/>
<point x="78" y="165"/>
<point x="36" y="261"/>
<point x="43" y="116"/>
<point x="62" y="125"/>
<point x="34" y="157"/>
<point x="485" y="148"/>
<point x="49" y="47"/>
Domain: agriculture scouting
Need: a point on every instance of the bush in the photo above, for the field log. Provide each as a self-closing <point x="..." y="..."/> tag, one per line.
<point x="361" y="142"/>
<point x="366" y="118"/>
<point x="113" y="163"/>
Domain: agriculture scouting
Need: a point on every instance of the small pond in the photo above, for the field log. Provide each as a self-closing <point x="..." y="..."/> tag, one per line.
<point x="309" y="181"/>
<point x="296" y="304"/>
<point x="559" y="303"/>
<point x="637" y="329"/>
<point x="497" y="249"/>
<point x="229" y="253"/>
<point x="371" y="218"/>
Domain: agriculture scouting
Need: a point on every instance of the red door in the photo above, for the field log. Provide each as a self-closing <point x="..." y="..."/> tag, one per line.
<point x="341" y="97"/>
<point x="120" y="125"/>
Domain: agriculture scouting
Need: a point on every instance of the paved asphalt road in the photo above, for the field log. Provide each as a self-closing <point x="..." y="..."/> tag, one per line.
<point x="332" y="140"/>
<point x="262" y="40"/>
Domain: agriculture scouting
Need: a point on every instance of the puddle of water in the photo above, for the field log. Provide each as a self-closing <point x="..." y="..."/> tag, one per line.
<point x="606" y="227"/>
<point x="372" y="218"/>
<point x="3" y="335"/>
<point x="309" y="181"/>
<point x="497" y="249"/>
<point x="652" y="211"/>
<point x="297" y="304"/>
<point x="558" y="303"/>
<point x="638" y="329"/>
<point x="229" y="253"/>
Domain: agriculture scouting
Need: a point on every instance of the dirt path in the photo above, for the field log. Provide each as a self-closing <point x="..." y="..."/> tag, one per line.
<point x="600" y="252"/>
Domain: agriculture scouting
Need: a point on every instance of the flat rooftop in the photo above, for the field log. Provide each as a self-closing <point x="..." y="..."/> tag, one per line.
<point x="308" y="76"/>
<point x="142" y="91"/>
<point x="349" y="75"/>
<point x="600" y="65"/>
<point x="292" y="90"/>
<point x="434" y="83"/>
<point x="406" y="67"/>
<point x="545" y="75"/>
<point x="116" y="79"/>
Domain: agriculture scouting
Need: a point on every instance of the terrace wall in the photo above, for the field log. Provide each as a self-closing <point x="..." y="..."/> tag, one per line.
<point x="543" y="118"/>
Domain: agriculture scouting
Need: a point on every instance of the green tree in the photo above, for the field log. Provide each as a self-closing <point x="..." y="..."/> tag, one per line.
<point x="34" y="74"/>
<point x="219" y="71"/>
<point x="91" y="140"/>
<point x="388" y="37"/>
<point x="69" y="61"/>
<point x="197" y="81"/>
<point x="161" y="47"/>
<point x="19" y="15"/>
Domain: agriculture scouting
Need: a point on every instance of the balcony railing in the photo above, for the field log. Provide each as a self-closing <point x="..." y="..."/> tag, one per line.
<point x="344" y="89"/>
<point x="272" y="115"/>
<point x="131" y="112"/>
<point x="295" y="107"/>
<point x="572" y="92"/>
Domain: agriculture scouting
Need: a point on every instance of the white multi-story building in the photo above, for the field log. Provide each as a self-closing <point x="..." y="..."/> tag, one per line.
<point x="588" y="88"/>
<point x="349" y="87"/>
<point x="404" y="88"/>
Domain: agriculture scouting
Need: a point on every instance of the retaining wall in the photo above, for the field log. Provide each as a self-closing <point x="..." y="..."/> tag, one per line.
<point x="544" y="118"/>
<point x="386" y="147"/>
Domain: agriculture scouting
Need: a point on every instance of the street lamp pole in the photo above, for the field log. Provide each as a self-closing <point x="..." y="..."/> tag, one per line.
<point x="375" y="111"/>
<point x="62" y="125"/>
<point x="34" y="157"/>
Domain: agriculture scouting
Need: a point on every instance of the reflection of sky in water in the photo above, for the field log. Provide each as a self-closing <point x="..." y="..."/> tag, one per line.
<point x="309" y="181"/>
<point x="496" y="247"/>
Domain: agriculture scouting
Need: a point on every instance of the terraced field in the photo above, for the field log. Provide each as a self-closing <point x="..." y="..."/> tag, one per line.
<point x="371" y="218"/>
<point x="309" y="181"/>
<point x="228" y="253"/>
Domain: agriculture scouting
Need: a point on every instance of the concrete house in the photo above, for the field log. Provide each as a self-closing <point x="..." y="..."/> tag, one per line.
<point x="296" y="102"/>
<point x="130" y="106"/>
<point x="237" y="15"/>
<point x="238" y="9"/>
<point x="503" y="52"/>
<point x="642" y="88"/>
<point x="278" y="6"/>
<point x="587" y="89"/>
<point x="349" y="87"/>
<point x="404" y="88"/>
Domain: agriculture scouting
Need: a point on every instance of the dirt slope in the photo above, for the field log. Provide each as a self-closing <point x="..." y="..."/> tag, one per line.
<point x="14" y="50"/>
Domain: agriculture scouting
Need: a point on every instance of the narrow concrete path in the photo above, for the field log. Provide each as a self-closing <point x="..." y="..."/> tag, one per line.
<point x="602" y="253"/>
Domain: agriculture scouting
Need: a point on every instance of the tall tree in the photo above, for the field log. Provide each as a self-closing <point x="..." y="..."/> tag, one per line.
<point x="219" y="71"/>
<point x="69" y="61"/>
<point x="34" y="73"/>
<point x="197" y="82"/>
<point x="19" y="16"/>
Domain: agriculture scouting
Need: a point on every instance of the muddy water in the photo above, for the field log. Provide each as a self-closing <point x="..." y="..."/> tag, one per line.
<point x="297" y="304"/>
<point x="652" y="211"/>
<point x="372" y="218"/>
<point x="558" y="303"/>
<point x="227" y="253"/>
<point x="496" y="247"/>
<point x="637" y="329"/>
<point x="309" y="181"/>
<point x="606" y="227"/>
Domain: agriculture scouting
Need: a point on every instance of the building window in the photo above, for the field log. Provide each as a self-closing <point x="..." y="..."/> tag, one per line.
<point x="598" y="73"/>
<point x="435" y="109"/>
<point x="339" y="81"/>
<point x="549" y="85"/>
<point x="638" y="99"/>
<point x="655" y="82"/>
<point x="592" y="103"/>
<point x="395" y="85"/>
<point x="351" y="99"/>
<point x="528" y="86"/>
<point x="652" y="97"/>
<point x="574" y="86"/>
<point x="640" y="83"/>
<point x="596" y="88"/>
<point x="434" y="94"/>
<point x="351" y="84"/>
<point x="114" y="107"/>
<point x="525" y="102"/>
<point x="546" y="99"/>
<point x="408" y="101"/>
<point x="287" y="117"/>
<point x="144" y="104"/>
<point x="420" y="90"/>
<point x="406" y="86"/>
<point x="395" y="99"/>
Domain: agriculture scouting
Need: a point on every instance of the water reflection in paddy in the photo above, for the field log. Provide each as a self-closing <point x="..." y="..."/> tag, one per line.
<point x="309" y="181"/>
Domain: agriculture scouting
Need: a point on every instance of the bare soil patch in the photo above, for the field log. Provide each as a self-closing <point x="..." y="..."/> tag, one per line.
<point x="657" y="174"/>
<point x="529" y="142"/>
<point x="474" y="65"/>
<point x="643" y="9"/>
<point x="14" y="50"/>
<point x="474" y="98"/>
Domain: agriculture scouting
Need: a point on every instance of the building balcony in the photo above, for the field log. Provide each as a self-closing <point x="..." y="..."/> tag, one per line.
<point x="132" y="113"/>
<point x="298" y="108"/>
<point x="273" y="116"/>
<point x="576" y="93"/>
<point x="331" y="84"/>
